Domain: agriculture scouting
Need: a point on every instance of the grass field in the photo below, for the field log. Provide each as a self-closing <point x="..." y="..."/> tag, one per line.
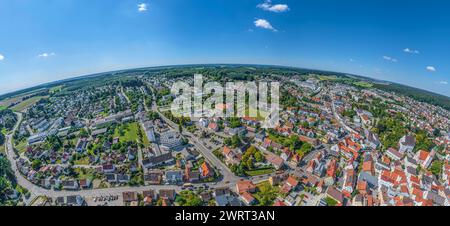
<point x="363" y="84"/>
<point x="26" y="103"/>
<point x="131" y="133"/>
<point x="6" y="102"/>
<point x="327" y="78"/>
<point x="56" y="89"/>
<point x="2" y="149"/>
<point x="261" y="114"/>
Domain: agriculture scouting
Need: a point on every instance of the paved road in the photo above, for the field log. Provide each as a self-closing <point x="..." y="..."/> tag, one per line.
<point x="336" y="115"/>
<point x="229" y="179"/>
<point x="228" y="176"/>
<point x="123" y="93"/>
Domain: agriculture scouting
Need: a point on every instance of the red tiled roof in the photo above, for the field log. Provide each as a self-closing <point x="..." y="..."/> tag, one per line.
<point x="292" y="181"/>
<point x="279" y="203"/>
<point x="245" y="186"/>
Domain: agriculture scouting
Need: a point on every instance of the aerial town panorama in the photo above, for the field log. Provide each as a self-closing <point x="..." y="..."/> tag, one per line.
<point x="255" y="105"/>
<point x="111" y="139"/>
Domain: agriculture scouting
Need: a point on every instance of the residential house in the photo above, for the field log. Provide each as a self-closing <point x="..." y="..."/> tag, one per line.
<point x="245" y="186"/>
<point x="424" y="158"/>
<point x="407" y="144"/>
<point x="276" y="161"/>
<point x="170" y="194"/>
<point x="335" y="194"/>
<point x="393" y="154"/>
<point x="174" y="177"/>
<point x="247" y="198"/>
<point x="129" y="197"/>
<point x="206" y="171"/>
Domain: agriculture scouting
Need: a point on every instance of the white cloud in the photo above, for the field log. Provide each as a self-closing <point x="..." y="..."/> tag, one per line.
<point x="443" y="82"/>
<point x="431" y="68"/>
<point x="388" y="58"/>
<point x="142" y="7"/>
<point x="277" y="8"/>
<point x="412" y="51"/>
<point x="2" y="57"/>
<point x="264" y="24"/>
<point x="46" y="55"/>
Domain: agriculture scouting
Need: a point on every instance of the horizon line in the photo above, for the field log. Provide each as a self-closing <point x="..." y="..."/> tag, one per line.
<point x="2" y="95"/>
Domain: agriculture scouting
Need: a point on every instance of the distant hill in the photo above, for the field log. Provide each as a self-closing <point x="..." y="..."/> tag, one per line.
<point x="418" y="94"/>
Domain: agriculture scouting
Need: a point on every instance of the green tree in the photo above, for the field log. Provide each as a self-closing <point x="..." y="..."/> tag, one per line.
<point x="267" y="194"/>
<point x="36" y="164"/>
<point x="295" y="143"/>
<point x="249" y="164"/>
<point x="306" y="148"/>
<point x="83" y="133"/>
<point x="423" y="142"/>
<point x="188" y="198"/>
<point x="259" y="156"/>
<point x="436" y="168"/>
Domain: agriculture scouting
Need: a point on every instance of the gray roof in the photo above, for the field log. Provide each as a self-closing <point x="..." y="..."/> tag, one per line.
<point x="371" y="180"/>
<point x="409" y="140"/>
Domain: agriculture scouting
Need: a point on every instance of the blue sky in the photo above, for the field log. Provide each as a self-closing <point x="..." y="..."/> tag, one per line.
<point x="400" y="41"/>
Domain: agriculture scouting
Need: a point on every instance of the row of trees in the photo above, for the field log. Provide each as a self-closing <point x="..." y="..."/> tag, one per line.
<point x="7" y="180"/>
<point x="249" y="159"/>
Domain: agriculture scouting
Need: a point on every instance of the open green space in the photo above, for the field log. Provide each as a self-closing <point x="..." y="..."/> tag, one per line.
<point x="266" y="194"/>
<point x="130" y="132"/>
<point x="82" y="161"/>
<point x="363" y="84"/>
<point x="26" y="103"/>
<point x="258" y="172"/>
<point x="21" y="147"/>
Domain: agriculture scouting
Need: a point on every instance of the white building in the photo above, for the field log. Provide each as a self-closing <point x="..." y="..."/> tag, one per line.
<point x="407" y="144"/>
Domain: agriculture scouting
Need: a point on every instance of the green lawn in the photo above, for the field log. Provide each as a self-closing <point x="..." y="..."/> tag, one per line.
<point x="22" y="146"/>
<point x="82" y="161"/>
<point x="262" y="184"/>
<point x="259" y="172"/>
<point x="261" y="114"/>
<point x="330" y="201"/>
<point x="144" y="136"/>
<point x="131" y="133"/>
<point x="2" y="149"/>
<point x="84" y="173"/>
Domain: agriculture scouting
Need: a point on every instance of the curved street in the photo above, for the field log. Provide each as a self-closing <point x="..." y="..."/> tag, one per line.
<point x="229" y="179"/>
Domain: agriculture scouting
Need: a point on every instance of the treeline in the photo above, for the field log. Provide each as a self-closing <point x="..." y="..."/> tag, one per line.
<point x="417" y="94"/>
<point x="8" y="119"/>
<point x="7" y="181"/>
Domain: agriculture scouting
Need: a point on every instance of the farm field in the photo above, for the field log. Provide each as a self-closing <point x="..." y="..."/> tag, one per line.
<point x="26" y="103"/>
